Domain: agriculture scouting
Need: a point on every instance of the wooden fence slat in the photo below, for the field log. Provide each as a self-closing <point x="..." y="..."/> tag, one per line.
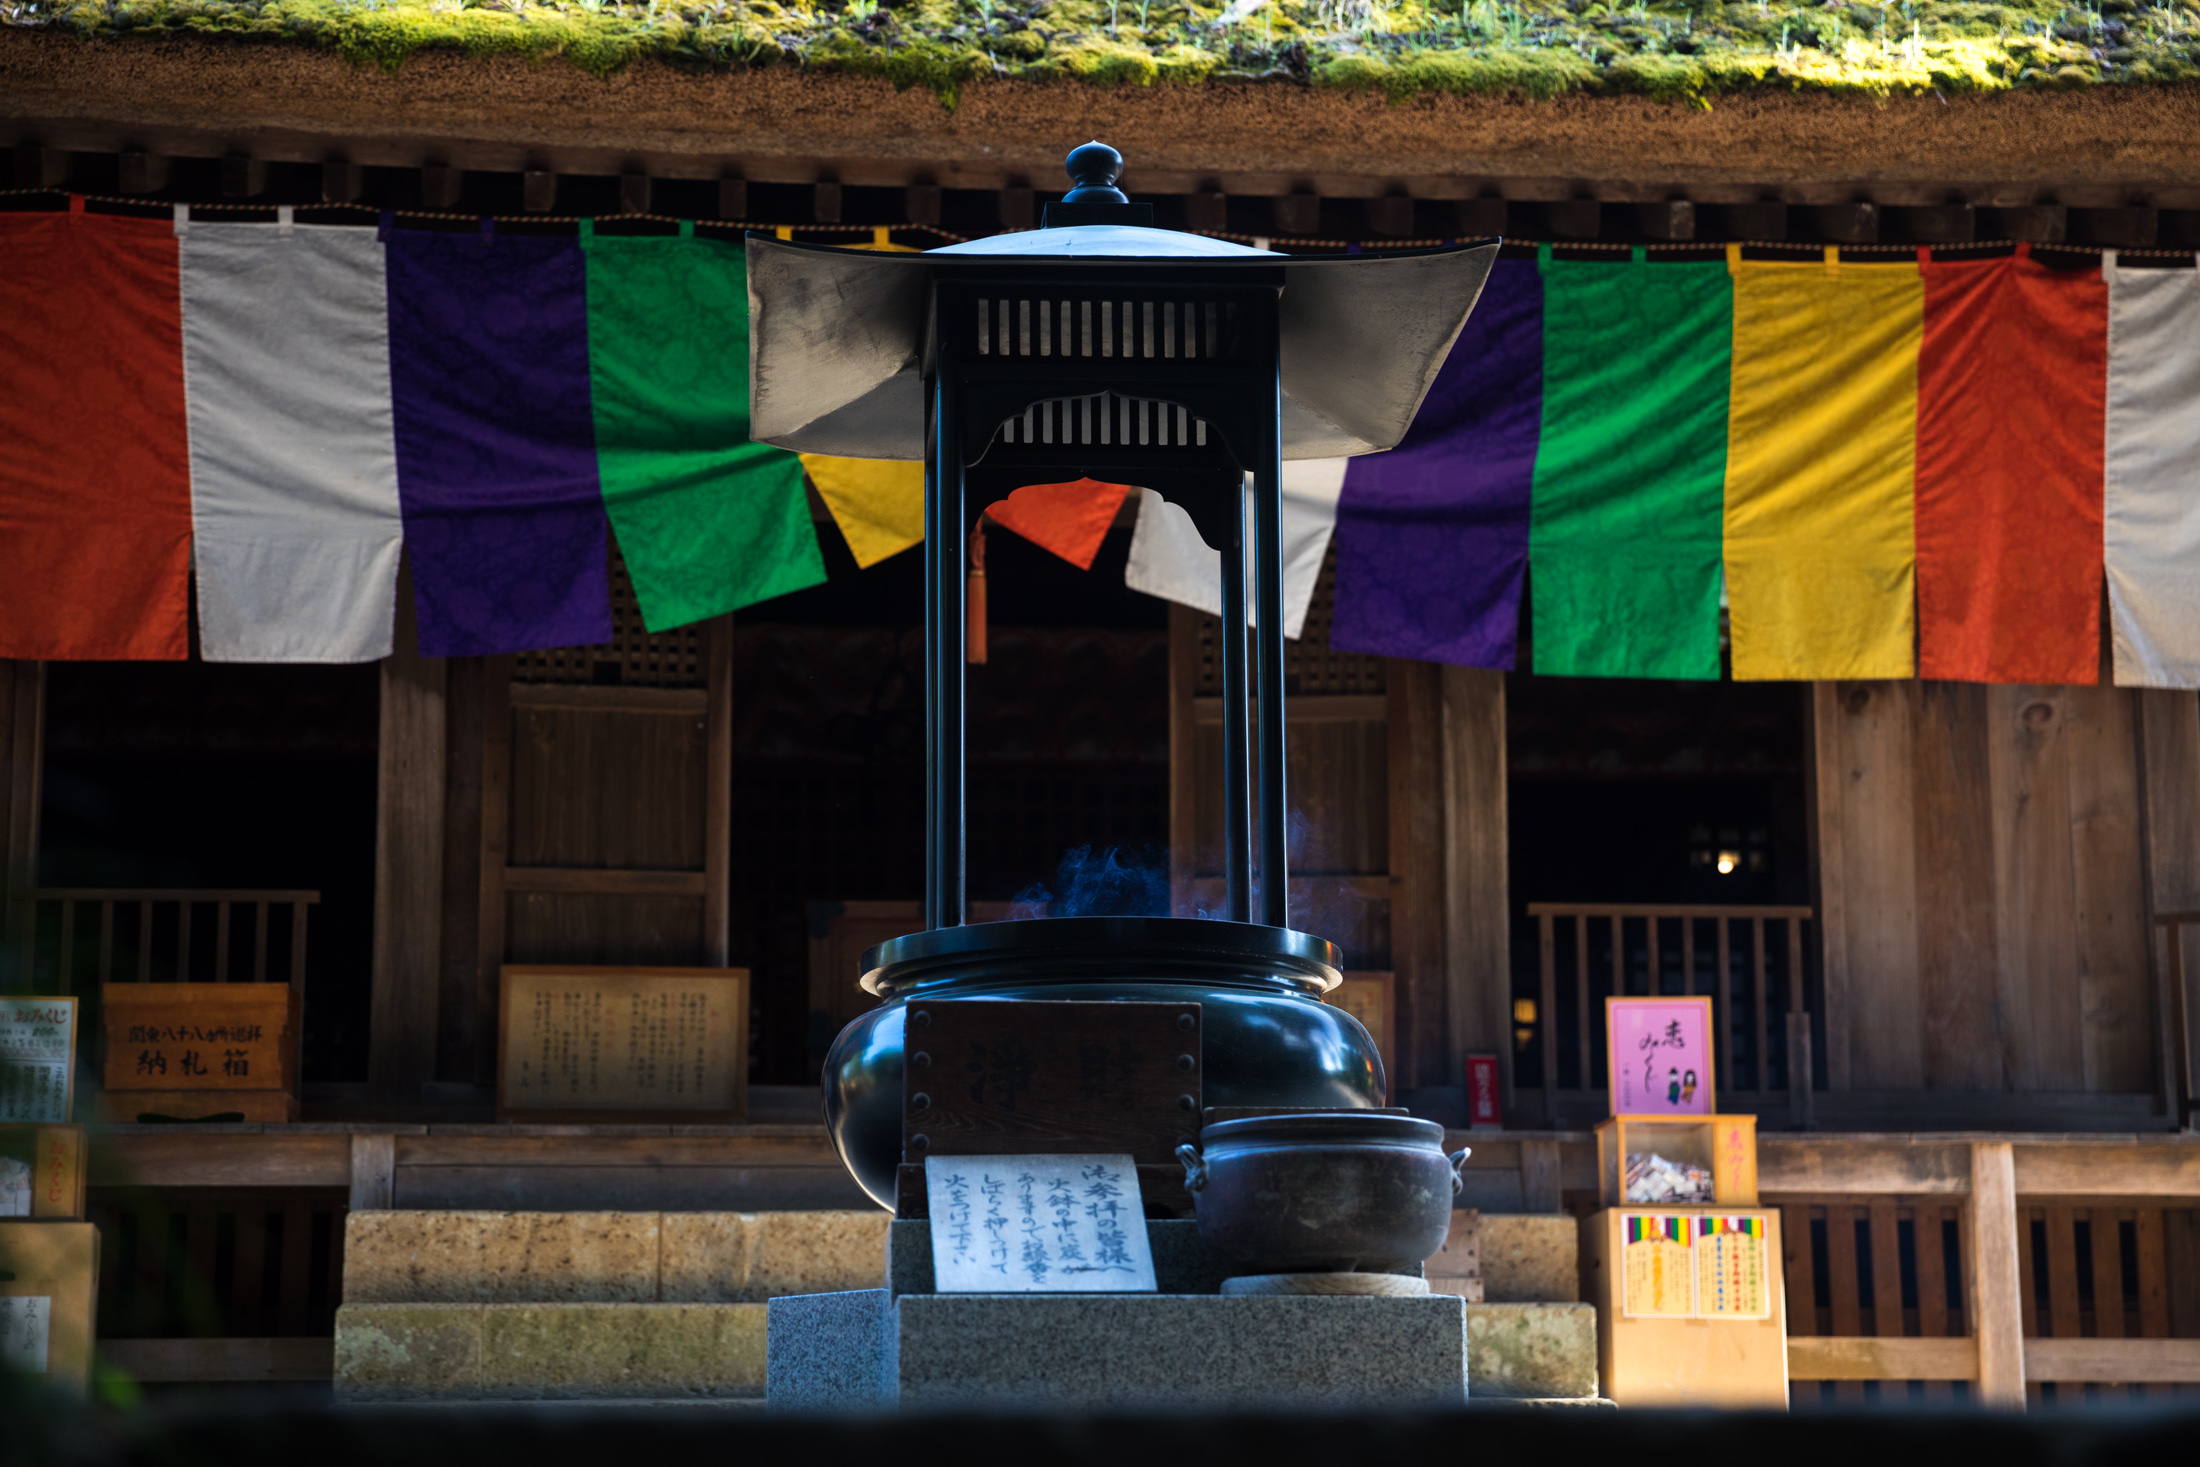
<point x="152" y="1269"/>
<point x="1688" y="966"/>
<point x="1928" y="1236"/>
<point x="221" y="942"/>
<point x="183" y="942"/>
<point x="2028" y="1287"/>
<point x="2154" y="1318"/>
<point x="259" y="941"/>
<point x="1802" y="1276"/>
<point x="1886" y="1268"/>
<point x="1723" y="1010"/>
<point x="2062" y="1273"/>
<point x="1650" y="949"/>
<point x="195" y="1294"/>
<point x="298" y="912"/>
<point x="2105" y="1226"/>
<point x="297" y="1268"/>
<point x="248" y="1280"/>
<point x="68" y="947"/>
<point x="106" y="942"/>
<point x="1760" y="1015"/>
<point x="1588" y="1025"/>
<point x="1841" y="1270"/>
<point x="145" y="942"/>
<point x="1547" y="991"/>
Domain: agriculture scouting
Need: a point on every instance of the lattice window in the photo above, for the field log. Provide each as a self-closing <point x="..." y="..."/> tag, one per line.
<point x="1310" y="667"/>
<point x="633" y="657"/>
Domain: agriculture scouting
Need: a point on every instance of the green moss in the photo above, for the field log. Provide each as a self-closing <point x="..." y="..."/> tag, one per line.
<point x="1686" y="52"/>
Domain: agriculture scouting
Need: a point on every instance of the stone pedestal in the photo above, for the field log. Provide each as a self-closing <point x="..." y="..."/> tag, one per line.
<point x="1184" y="1346"/>
<point x="1114" y="1351"/>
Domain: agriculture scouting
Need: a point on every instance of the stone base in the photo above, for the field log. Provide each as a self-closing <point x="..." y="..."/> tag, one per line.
<point x="1532" y="1351"/>
<point x="536" y="1352"/>
<point x="1115" y="1351"/>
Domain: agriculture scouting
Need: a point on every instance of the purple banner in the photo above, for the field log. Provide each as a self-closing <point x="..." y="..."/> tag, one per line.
<point x="496" y="442"/>
<point x="1432" y="537"/>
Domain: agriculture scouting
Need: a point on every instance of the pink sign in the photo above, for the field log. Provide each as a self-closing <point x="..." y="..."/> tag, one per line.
<point x="1660" y="1051"/>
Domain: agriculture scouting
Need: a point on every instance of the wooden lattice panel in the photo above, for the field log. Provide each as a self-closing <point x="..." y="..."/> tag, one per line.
<point x="1310" y="667"/>
<point x="634" y="657"/>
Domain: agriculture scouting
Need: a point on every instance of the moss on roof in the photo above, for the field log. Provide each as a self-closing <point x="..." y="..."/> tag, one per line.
<point x="1674" y="50"/>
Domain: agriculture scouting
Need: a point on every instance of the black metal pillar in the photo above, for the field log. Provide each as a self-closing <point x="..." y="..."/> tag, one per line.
<point x="946" y="551"/>
<point x="1237" y="819"/>
<point x="1274" y="813"/>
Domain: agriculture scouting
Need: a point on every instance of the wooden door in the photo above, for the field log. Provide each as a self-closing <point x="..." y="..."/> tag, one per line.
<point x="606" y="782"/>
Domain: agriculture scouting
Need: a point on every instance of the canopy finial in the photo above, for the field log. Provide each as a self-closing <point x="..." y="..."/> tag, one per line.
<point x="1094" y="169"/>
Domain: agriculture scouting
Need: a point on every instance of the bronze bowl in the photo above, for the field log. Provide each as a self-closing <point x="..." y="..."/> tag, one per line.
<point x="1266" y="1035"/>
<point x="1329" y="1192"/>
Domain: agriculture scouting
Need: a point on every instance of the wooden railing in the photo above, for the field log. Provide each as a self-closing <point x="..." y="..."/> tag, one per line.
<point x="1654" y="949"/>
<point x="158" y="934"/>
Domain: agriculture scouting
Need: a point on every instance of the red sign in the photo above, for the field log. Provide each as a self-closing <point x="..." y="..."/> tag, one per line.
<point x="1485" y="1089"/>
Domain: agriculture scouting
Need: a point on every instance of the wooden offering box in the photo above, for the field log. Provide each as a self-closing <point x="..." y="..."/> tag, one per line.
<point x="193" y="1050"/>
<point x="1723" y="1146"/>
<point x="1690" y="1305"/>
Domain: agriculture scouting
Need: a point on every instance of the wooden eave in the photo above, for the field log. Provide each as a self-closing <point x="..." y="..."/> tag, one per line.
<point x="2111" y="147"/>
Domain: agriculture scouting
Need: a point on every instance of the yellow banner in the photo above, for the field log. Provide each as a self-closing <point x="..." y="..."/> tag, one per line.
<point x="1821" y="470"/>
<point x="877" y="502"/>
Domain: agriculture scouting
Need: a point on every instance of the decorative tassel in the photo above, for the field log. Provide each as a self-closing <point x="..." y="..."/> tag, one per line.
<point x="974" y="632"/>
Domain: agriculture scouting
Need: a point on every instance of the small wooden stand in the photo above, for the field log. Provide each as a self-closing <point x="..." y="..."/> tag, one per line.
<point x="1690" y="1304"/>
<point x="54" y="1157"/>
<point x="49" y="1288"/>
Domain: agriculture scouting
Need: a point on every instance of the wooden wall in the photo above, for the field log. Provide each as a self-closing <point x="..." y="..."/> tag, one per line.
<point x="1988" y="863"/>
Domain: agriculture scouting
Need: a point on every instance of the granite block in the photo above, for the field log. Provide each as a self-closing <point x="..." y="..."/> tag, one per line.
<point x="400" y="1352"/>
<point x="1529" y="1258"/>
<point x="1136" y="1351"/>
<point x="1543" y="1351"/>
<point x="1182" y="1263"/>
<point x="403" y="1351"/>
<point x="660" y="1351"/>
<point x="500" y="1257"/>
<point x="728" y="1257"/>
<point x="827" y="1352"/>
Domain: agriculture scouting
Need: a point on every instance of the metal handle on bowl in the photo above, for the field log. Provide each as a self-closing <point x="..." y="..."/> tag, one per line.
<point x="1195" y="1167"/>
<point x="1458" y="1160"/>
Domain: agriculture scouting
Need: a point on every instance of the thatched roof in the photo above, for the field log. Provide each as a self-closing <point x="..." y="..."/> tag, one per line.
<point x="1676" y="49"/>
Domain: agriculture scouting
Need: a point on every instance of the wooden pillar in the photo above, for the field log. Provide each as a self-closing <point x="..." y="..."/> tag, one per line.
<point x="1416" y="860"/>
<point x="1477" y="891"/>
<point x="22" y="769"/>
<point x="718" y="791"/>
<point x="1184" y="830"/>
<point x="2168" y="730"/>
<point x="408" y="867"/>
<point x="1993" y="1284"/>
<point x="373" y="1173"/>
<point x="459" y="1031"/>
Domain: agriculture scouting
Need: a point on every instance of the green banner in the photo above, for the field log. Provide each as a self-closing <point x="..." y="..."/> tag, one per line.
<point x="1627" y="517"/>
<point x="708" y="521"/>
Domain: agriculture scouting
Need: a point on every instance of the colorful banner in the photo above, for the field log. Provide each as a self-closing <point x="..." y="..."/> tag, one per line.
<point x="295" y="534"/>
<point x="2011" y="379"/>
<point x="496" y="442"/>
<point x="2151" y="529"/>
<point x="95" y="493"/>
<point x="1821" y="470"/>
<point x="1169" y="559"/>
<point x="707" y="521"/>
<point x="1072" y="519"/>
<point x="1625" y="532"/>
<point x="1432" y="537"/>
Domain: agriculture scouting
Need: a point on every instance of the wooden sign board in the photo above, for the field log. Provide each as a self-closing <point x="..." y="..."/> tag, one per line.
<point x="1372" y="999"/>
<point x="1038" y="1225"/>
<point x="193" y="1051"/>
<point x="42" y="1172"/>
<point x="49" y="1286"/>
<point x="632" y="1044"/>
<point x="1009" y="1077"/>
<point x="37" y="1059"/>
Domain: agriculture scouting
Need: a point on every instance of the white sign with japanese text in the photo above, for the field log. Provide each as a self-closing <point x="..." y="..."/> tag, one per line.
<point x="1037" y="1225"/>
<point x="37" y="1054"/>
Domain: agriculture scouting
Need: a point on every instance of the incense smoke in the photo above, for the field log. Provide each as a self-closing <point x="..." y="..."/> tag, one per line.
<point x="1113" y="883"/>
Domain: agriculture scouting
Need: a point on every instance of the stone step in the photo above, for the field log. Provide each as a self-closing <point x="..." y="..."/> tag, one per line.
<point x="533" y="1352"/>
<point x="403" y="1257"/>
